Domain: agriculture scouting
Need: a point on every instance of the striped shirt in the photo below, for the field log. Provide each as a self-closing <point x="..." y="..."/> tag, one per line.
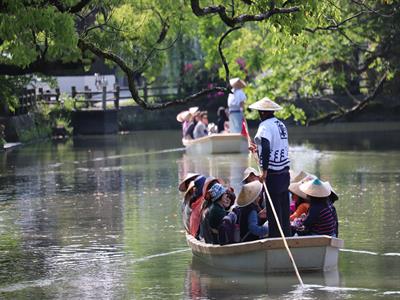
<point x="275" y="132"/>
<point x="321" y="219"/>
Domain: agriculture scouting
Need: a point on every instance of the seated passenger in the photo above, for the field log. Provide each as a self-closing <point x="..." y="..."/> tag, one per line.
<point x="247" y="202"/>
<point x="249" y="175"/>
<point x="205" y="231"/>
<point x="184" y="117"/>
<point x="186" y="210"/>
<point x="301" y="201"/>
<point x="333" y="197"/>
<point x="295" y="177"/>
<point x="187" y="186"/>
<point x="195" y="204"/>
<point x="201" y="127"/>
<point x="194" y="118"/>
<point x="322" y="217"/>
<point x="218" y="209"/>
<point x="185" y="182"/>
<point x="223" y="120"/>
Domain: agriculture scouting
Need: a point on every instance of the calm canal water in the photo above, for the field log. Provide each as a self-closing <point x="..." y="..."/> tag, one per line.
<point x="98" y="218"/>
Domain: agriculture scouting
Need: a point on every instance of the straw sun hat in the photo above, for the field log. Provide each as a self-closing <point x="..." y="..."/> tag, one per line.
<point x="249" y="193"/>
<point x="249" y="171"/>
<point x="237" y="83"/>
<point x="193" y="110"/>
<point x="183" y="185"/>
<point x="189" y="188"/>
<point x="316" y="188"/>
<point x="296" y="177"/>
<point x="334" y="196"/>
<point x="182" y="116"/>
<point x="265" y="104"/>
<point x="294" y="187"/>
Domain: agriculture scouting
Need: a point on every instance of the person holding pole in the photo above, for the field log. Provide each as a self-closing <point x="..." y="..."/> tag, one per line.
<point x="236" y="105"/>
<point x="271" y="144"/>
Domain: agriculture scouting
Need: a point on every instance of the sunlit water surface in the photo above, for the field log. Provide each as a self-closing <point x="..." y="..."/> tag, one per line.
<point x="98" y="218"/>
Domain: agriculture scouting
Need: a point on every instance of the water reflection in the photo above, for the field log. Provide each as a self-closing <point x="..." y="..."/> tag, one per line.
<point x="202" y="281"/>
<point x="228" y="167"/>
<point x="99" y="218"/>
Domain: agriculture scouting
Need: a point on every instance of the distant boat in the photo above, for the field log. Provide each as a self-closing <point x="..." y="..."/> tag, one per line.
<point x="311" y="253"/>
<point x="217" y="143"/>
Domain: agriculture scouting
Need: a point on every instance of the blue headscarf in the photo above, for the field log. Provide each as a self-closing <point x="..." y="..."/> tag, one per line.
<point x="216" y="191"/>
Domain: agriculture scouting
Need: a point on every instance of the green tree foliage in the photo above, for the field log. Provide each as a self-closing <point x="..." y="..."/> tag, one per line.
<point x="285" y="48"/>
<point x="326" y="49"/>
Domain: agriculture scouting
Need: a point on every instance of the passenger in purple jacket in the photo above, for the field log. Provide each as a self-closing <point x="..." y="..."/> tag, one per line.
<point x="322" y="217"/>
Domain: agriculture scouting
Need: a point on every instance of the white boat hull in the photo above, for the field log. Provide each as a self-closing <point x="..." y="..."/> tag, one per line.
<point x="217" y="143"/>
<point x="311" y="253"/>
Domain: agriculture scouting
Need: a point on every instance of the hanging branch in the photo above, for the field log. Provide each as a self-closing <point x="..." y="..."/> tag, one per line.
<point x="336" y="25"/>
<point x="221" y="54"/>
<point x="239" y="20"/>
<point x="85" y="45"/>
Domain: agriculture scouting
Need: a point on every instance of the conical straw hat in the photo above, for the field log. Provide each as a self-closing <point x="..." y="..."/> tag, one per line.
<point x="316" y="188"/>
<point x="182" y="116"/>
<point x="237" y="83"/>
<point x="190" y="186"/>
<point x="193" y="110"/>
<point x="249" y="193"/>
<point x="296" y="177"/>
<point x="294" y="187"/>
<point x="265" y="104"/>
<point x="182" y="185"/>
<point x="333" y="195"/>
<point x="248" y="171"/>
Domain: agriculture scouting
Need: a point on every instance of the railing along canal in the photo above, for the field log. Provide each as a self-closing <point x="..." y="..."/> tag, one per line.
<point x="91" y="99"/>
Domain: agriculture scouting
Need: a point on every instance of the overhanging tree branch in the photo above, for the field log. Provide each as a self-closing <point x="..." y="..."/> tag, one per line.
<point x="85" y="45"/>
<point x="336" y="25"/>
<point x="233" y="21"/>
<point x="221" y="54"/>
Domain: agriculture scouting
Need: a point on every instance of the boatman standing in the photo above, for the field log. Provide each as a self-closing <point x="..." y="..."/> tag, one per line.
<point x="236" y="105"/>
<point x="271" y="143"/>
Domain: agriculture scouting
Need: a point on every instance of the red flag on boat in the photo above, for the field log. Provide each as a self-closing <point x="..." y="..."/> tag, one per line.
<point x="244" y="129"/>
<point x="245" y="132"/>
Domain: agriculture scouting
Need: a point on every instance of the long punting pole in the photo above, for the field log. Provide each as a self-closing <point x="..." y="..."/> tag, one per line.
<point x="274" y="212"/>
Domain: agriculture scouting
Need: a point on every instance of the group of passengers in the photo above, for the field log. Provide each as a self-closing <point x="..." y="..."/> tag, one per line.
<point x="212" y="213"/>
<point x="195" y="122"/>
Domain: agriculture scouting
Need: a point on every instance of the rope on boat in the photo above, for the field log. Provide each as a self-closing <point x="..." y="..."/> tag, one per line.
<point x="274" y="212"/>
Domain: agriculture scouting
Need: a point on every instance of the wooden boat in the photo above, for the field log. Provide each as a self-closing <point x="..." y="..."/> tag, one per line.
<point x="311" y="253"/>
<point x="217" y="143"/>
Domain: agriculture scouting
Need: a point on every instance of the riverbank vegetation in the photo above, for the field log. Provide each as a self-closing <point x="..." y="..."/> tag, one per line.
<point x="337" y="57"/>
